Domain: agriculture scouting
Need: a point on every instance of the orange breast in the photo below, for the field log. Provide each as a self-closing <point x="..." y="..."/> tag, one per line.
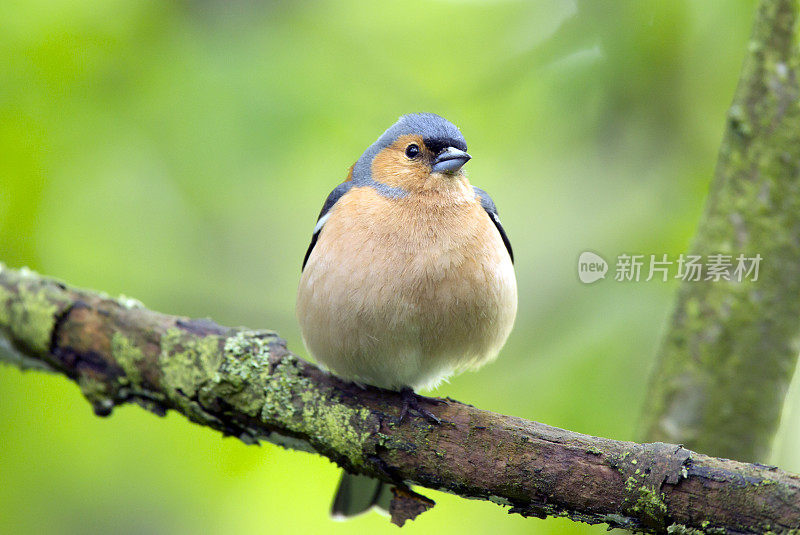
<point x="402" y="292"/>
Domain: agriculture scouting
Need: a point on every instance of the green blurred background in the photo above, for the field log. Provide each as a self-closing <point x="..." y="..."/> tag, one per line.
<point x="179" y="152"/>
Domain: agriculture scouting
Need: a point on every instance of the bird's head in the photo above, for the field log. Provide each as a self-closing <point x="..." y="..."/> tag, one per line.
<point x="420" y="151"/>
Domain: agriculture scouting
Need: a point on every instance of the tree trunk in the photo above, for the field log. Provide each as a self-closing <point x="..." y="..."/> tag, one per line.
<point x="731" y="347"/>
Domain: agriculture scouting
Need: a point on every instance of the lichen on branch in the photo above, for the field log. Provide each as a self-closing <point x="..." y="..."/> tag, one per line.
<point x="246" y="383"/>
<point x="731" y="347"/>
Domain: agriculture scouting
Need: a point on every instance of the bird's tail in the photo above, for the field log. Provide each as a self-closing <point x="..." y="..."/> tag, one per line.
<point x="357" y="494"/>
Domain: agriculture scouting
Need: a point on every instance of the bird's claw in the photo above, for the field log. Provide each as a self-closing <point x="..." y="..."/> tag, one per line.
<point x="411" y="403"/>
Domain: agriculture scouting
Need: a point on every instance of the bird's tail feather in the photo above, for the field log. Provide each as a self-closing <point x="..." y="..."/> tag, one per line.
<point x="357" y="494"/>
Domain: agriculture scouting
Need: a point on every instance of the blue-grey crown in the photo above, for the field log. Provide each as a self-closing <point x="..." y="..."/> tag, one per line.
<point x="437" y="132"/>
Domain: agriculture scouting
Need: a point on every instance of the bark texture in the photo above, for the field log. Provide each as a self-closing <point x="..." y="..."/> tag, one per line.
<point x="247" y="384"/>
<point x="731" y="348"/>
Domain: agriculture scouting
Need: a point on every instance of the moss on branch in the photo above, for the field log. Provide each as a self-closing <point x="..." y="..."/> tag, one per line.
<point x="247" y="384"/>
<point x="731" y="348"/>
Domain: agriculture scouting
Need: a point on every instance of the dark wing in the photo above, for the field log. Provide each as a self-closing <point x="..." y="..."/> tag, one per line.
<point x="335" y="195"/>
<point x="491" y="209"/>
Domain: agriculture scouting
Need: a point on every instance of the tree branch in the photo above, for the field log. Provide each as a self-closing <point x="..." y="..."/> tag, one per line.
<point x="247" y="384"/>
<point x="731" y="349"/>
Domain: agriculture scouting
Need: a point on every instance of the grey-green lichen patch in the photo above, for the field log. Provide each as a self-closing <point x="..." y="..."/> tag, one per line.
<point x="128" y="356"/>
<point x="338" y="425"/>
<point x="245" y="371"/>
<point x="277" y="391"/>
<point x="186" y="363"/>
<point x="681" y="529"/>
<point x="649" y="504"/>
<point x="323" y="420"/>
<point x="286" y="381"/>
<point x="30" y="316"/>
<point x="253" y="381"/>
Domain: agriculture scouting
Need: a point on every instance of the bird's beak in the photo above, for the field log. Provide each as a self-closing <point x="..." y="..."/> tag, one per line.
<point x="450" y="160"/>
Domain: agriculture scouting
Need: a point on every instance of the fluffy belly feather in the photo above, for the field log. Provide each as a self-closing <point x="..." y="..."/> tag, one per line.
<point x="406" y="304"/>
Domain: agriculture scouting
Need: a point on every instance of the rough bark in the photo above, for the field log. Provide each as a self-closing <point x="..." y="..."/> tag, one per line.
<point x="247" y="384"/>
<point x="731" y="348"/>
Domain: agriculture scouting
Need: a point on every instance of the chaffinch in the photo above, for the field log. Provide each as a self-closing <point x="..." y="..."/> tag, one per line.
<point x="409" y="276"/>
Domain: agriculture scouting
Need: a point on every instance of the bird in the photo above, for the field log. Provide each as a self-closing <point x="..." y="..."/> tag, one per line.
<point x="409" y="276"/>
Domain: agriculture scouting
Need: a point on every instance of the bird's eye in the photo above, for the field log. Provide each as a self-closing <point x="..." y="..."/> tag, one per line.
<point x="412" y="151"/>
